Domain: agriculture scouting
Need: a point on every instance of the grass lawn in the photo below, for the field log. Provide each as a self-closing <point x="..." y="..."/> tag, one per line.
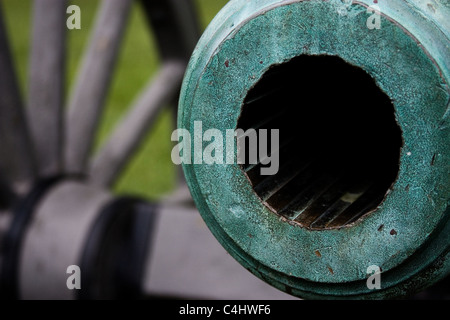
<point x="151" y="173"/>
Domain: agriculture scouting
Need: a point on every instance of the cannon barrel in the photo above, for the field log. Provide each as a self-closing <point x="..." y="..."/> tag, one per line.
<point x="357" y="96"/>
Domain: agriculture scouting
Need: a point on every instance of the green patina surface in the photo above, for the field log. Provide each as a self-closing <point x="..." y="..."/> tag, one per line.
<point x="409" y="60"/>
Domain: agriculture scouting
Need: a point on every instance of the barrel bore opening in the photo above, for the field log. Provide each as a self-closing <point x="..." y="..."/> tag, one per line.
<point x="339" y="141"/>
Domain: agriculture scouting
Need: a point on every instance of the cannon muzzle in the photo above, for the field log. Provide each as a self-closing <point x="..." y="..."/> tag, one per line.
<point x="337" y="183"/>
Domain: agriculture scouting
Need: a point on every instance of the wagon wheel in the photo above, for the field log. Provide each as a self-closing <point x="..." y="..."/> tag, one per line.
<point x="56" y="209"/>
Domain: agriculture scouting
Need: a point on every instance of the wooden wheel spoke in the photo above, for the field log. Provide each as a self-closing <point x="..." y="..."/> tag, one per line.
<point x="46" y="84"/>
<point x="175" y="20"/>
<point x="16" y="159"/>
<point x="63" y="142"/>
<point x="93" y="82"/>
<point x="126" y="138"/>
<point x="175" y="26"/>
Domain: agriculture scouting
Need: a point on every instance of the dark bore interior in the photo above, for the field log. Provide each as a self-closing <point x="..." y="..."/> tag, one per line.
<point x="339" y="141"/>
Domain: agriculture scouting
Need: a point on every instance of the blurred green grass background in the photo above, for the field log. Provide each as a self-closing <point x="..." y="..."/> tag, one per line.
<point x="151" y="173"/>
